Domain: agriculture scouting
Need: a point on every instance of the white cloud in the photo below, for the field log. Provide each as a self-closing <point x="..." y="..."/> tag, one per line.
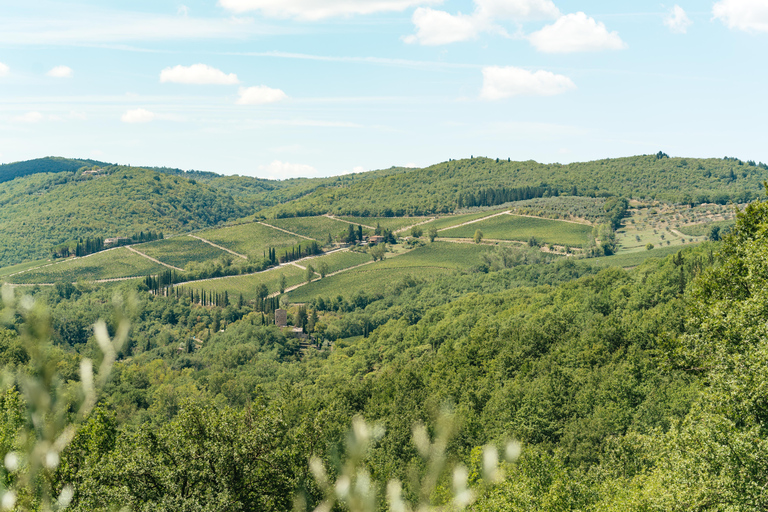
<point x="439" y="27"/>
<point x="504" y="82"/>
<point x="138" y="115"/>
<point x="748" y="15"/>
<point x="282" y="170"/>
<point x="319" y="9"/>
<point x="677" y="21"/>
<point x="575" y="33"/>
<point x="260" y="95"/>
<point x="199" y="74"/>
<point x="4" y="69"/>
<point x="29" y="117"/>
<point x="61" y="72"/>
<point x="359" y="168"/>
<point x="518" y="9"/>
<point x="411" y="165"/>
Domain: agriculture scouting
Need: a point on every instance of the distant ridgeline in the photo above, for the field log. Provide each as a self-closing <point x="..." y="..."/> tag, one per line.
<point x="445" y="187"/>
<point x="49" y="164"/>
<point x="84" y="247"/>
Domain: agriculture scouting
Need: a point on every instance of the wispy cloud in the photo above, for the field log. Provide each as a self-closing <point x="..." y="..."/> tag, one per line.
<point x="435" y="27"/>
<point x="4" y="69"/>
<point x="104" y="27"/>
<point x="199" y="74"/>
<point x="260" y="95"/>
<point x="283" y="170"/>
<point x="677" y="21"/>
<point x="383" y="61"/>
<point x="505" y="82"/>
<point x="61" y="72"/>
<point x="139" y="115"/>
<point x="29" y="117"/>
<point x="317" y="10"/>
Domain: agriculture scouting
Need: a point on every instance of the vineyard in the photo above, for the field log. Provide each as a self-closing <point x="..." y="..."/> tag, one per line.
<point x="251" y="239"/>
<point x="111" y="264"/>
<point x="513" y="227"/>
<point x="180" y="250"/>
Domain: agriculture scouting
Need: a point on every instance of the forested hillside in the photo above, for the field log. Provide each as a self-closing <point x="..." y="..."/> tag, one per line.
<point x="43" y="165"/>
<point x="626" y="389"/>
<point x="40" y="211"/>
<point x="450" y="185"/>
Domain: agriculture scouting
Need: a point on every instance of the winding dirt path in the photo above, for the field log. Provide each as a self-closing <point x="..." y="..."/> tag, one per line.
<point x="219" y="247"/>
<point x="283" y="230"/>
<point x="347" y="221"/>
<point x="406" y="228"/>
<point x="150" y="258"/>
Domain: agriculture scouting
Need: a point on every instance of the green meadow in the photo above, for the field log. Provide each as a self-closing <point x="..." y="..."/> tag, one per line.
<point x="391" y="223"/>
<point x="518" y="228"/>
<point x="180" y="250"/>
<point x="318" y="227"/>
<point x="110" y="264"/>
<point x="250" y="239"/>
<point x="248" y="284"/>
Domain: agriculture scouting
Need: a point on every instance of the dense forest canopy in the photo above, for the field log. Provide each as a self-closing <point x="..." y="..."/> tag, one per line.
<point x="43" y="165"/>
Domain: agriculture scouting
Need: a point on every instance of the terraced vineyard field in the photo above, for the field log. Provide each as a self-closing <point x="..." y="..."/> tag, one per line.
<point x="180" y="250"/>
<point x="111" y="264"/>
<point x="371" y="278"/>
<point x="438" y="254"/>
<point x="514" y="227"/>
<point x="450" y="221"/>
<point x="250" y="239"/>
<point x="338" y="260"/>
<point x="314" y="227"/>
<point x="21" y="267"/>
<point x="247" y="285"/>
<point x="391" y="223"/>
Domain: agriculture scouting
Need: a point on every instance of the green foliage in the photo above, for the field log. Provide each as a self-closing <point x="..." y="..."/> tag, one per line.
<point x="436" y="189"/>
<point x="205" y="458"/>
<point x="43" y="210"/>
<point x="43" y="165"/>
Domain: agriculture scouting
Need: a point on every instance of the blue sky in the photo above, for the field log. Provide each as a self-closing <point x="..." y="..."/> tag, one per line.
<point x="283" y="88"/>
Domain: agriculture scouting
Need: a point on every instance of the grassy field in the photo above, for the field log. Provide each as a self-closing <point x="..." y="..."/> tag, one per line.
<point x="391" y="223"/>
<point x="21" y="267"/>
<point x="314" y="227"/>
<point x="370" y="279"/>
<point x="338" y="260"/>
<point x="453" y="220"/>
<point x="115" y="263"/>
<point x="438" y="254"/>
<point x="247" y="285"/>
<point x="632" y="259"/>
<point x="249" y="239"/>
<point x="180" y="250"/>
<point x="513" y="227"/>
